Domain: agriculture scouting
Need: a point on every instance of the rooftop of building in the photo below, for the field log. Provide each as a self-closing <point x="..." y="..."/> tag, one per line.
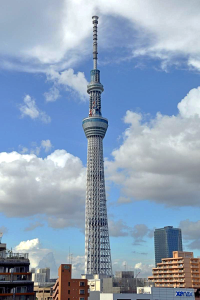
<point x="167" y="227"/>
<point x="10" y="255"/>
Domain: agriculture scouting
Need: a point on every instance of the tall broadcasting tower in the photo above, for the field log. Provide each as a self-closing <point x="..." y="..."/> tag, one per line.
<point x="97" y="244"/>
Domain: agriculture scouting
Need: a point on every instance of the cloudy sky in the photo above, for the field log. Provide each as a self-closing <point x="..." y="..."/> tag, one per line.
<point x="149" y="57"/>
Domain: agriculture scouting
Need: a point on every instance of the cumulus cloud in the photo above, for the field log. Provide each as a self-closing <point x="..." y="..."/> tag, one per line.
<point x="159" y="158"/>
<point x="34" y="249"/>
<point x="53" y="186"/>
<point x="48" y="261"/>
<point x="30" y="109"/>
<point x="190" y="105"/>
<point x="27" y="245"/>
<point x="166" y="31"/>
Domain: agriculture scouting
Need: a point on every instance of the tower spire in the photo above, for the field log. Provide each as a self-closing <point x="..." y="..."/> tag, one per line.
<point x="95" y="22"/>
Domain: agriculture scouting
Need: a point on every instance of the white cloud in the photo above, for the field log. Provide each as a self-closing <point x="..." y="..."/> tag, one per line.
<point x="190" y="105"/>
<point x="78" y="266"/>
<point x="23" y="150"/>
<point x="159" y="159"/>
<point x="28" y="245"/>
<point x="60" y="37"/>
<point x="30" y="185"/>
<point x="30" y="109"/>
<point x="71" y="82"/>
<point x="34" y="249"/>
<point x="52" y="95"/>
<point x="144" y="270"/>
<point x="46" y="144"/>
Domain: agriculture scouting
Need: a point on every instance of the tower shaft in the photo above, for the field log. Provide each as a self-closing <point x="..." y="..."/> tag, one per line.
<point x="97" y="244"/>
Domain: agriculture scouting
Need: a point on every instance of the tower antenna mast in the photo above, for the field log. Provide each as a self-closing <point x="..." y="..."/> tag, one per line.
<point x="95" y="41"/>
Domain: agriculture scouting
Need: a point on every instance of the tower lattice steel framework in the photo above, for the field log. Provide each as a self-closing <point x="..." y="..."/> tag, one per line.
<point x="97" y="243"/>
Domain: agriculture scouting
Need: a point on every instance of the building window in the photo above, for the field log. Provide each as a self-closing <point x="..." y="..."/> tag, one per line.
<point x="68" y="292"/>
<point x="82" y="283"/>
<point x="82" y="292"/>
<point x="68" y="283"/>
<point x="82" y="298"/>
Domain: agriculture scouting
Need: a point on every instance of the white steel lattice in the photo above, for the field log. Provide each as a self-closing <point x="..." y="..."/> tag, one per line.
<point x="97" y="245"/>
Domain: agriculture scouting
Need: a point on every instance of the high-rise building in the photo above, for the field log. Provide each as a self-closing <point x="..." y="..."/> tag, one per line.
<point x="180" y="271"/>
<point x="167" y="240"/>
<point x="15" y="278"/>
<point x="41" y="275"/>
<point x="97" y="244"/>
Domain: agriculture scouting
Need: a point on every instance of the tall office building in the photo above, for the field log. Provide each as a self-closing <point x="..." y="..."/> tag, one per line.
<point x="97" y="244"/>
<point x="167" y="240"/>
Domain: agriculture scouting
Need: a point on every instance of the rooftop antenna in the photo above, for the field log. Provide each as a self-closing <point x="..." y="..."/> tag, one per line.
<point x="125" y="265"/>
<point x="95" y="22"/>
<point x="1" y="235"/>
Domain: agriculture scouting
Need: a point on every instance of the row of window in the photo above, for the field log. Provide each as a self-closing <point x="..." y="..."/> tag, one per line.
<point x="19" y="289"/>
<point x="12" y="270"/>
<point x="81" y="292"/>
<point x="81" y="283"/>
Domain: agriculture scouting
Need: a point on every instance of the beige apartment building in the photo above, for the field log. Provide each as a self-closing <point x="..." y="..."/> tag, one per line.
<point x="183" y="270"/>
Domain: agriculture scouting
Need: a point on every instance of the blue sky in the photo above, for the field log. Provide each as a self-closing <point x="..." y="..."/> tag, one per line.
<point x="149" y="62"/>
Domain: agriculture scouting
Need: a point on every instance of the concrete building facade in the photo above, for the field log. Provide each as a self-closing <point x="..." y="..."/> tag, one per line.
<point x="15" y="278"/>
<point x="167" y="240"/>
<point x="67" y="288"/>
<point x="182" y="270"/>
<point x="122" y="282"/>
<point x="44" y="292"/>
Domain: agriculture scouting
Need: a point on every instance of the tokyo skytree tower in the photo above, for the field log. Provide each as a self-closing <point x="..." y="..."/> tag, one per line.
<point x="97" y="244"/>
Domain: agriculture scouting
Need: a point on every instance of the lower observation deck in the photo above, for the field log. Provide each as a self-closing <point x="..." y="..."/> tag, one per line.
<point x="95" y="126"/>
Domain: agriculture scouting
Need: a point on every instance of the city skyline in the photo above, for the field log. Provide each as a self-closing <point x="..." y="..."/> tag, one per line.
<point x="149" y="64"/>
